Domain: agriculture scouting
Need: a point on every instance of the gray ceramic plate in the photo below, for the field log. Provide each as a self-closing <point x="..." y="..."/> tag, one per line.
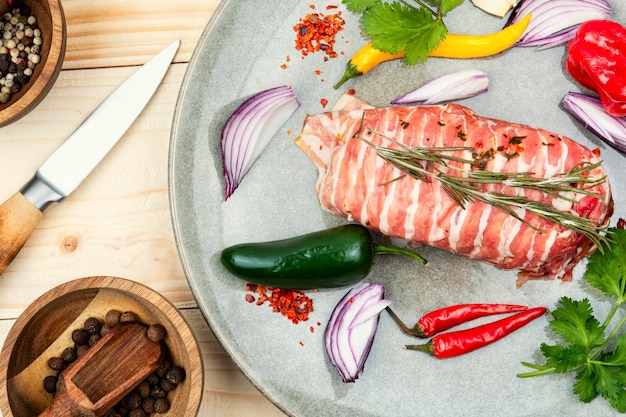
<point x="241" y="53"/>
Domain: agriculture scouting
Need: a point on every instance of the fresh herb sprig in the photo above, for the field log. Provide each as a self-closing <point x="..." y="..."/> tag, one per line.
<point x="598" y="358"/>
<point x="432" y="163"/>
<point x="398" y="26"/>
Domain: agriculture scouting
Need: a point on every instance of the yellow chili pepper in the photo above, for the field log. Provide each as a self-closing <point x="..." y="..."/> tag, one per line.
<point x="453" y="46"/>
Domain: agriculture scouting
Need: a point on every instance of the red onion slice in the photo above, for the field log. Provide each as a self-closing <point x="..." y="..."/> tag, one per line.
<point x="590" y="112"/>
<point x="449" y="87"/>
<point x="249" y="130"/>
<point x="350" y="332"/>
<point x="554" y="22"/>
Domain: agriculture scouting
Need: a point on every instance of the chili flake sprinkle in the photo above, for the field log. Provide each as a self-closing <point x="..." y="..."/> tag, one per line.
<point x="293" y="304"/>
<point x="317" y="32"/>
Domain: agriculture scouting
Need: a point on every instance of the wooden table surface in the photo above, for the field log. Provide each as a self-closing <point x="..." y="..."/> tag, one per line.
<point x="118" y="222"/>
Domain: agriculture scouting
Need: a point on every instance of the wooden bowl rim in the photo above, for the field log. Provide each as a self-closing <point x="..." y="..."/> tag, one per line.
<point x="196" y="379"/>
<point x="42" y="85"/>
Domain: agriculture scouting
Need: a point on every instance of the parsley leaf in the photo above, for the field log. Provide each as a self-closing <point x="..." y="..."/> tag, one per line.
<point x="585" y="385"/>
<point x="606" y="269"/>
<point x="397" y="26"/>
<point x="448" y="5"/>
<point x="574" y="322"/>
<point x="599" y="372"/>
<point x="564" y="359"/>
<point x="359" y="6"/>
<point x="618" y="356"/>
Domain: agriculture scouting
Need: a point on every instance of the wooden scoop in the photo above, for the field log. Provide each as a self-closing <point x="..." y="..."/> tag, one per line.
<point x="109" y="370"/>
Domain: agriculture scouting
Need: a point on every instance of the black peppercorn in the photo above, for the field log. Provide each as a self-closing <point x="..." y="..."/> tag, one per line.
<point x="56" y="363"/>
<point x="4" y="62"/>
<point x="92" y="325"/>
<point x="69" y="354"/>
<point x="162" y="405"/>
<point x="155" y="332"/>
<point x="132" y="401"/>
<point x="112" y="318"/>
<point x="157" y="392"/>
<point x="143" y="389"/>
<point x="148" y="405"/>
<point x="80" y="337"/>
<point x="81" y="350"/>
<point x="137" y="413"/>
<point x="128" y="316"/>
<point x="161" y="371"/>
<point x="166" y="385"/>
<point x="175" y="374"/>
<point x="105" y="329"/>
<point x="121" y="410"/>
<point x="50" y="383"/>
<point x="153" y="379"/>
<point x="93" y="339"/>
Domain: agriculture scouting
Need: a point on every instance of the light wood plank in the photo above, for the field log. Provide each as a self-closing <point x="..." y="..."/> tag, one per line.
<point x="119" y="32"/>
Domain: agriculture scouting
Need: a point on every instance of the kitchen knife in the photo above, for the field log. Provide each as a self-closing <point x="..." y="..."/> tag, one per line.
<point x="81" y="152"/>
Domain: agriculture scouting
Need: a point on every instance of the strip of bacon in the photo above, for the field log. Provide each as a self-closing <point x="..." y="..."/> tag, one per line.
<point x="355" y="182"/>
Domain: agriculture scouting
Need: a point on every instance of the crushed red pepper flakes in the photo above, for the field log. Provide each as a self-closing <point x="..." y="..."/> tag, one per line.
<point x="293" y="304"/>
<point x="352" y="91"/>
<point x="317" y="32"/>
<point x="323" y="102"/>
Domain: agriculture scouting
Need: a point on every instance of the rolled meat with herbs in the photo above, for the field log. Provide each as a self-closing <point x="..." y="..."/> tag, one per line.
<point x="537" y="201"/>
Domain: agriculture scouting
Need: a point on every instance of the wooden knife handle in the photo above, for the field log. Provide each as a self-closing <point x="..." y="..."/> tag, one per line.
<point x="18" y="219"/>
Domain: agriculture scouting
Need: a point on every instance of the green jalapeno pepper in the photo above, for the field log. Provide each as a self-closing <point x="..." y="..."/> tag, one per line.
<point x="328" y="258"/>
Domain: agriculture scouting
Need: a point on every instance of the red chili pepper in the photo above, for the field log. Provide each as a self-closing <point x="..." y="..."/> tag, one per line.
<point x="596" y="59"/>
<point x="457" y="343"/>
<point x="445" y="318"/>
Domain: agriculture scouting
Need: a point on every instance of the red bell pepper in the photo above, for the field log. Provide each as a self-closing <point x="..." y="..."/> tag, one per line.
<point x="596" y="59"/>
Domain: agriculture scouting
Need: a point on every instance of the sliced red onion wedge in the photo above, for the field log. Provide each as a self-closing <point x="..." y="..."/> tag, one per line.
<point x="555" y="22"/>
<point x="350" y="332"/>
<point x="249" y="130"/>
<point x="449" y="87"/>
<point x="590" y="112"/>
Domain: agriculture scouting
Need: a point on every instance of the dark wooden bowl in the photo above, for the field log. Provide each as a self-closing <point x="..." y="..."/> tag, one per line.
<point x="51" y="21"/>
<point x="44" y="329"/>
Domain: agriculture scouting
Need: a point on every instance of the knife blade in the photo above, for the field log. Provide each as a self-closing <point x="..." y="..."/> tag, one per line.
<point x="79" y="154"/>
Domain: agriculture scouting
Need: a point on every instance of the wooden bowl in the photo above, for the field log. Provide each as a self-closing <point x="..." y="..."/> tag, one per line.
<point x="51" y="21"/>
<point x="44" y="330"/>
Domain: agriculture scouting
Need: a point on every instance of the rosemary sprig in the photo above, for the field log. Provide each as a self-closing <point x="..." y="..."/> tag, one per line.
<point x="427" y="164"/>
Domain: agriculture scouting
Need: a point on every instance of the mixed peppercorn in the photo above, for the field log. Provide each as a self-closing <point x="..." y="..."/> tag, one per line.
<point x="150" y="396"/>
<point x="20" y="50"/>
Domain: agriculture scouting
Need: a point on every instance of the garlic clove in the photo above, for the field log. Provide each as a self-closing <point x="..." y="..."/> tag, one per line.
<point x="495" y="7"/>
